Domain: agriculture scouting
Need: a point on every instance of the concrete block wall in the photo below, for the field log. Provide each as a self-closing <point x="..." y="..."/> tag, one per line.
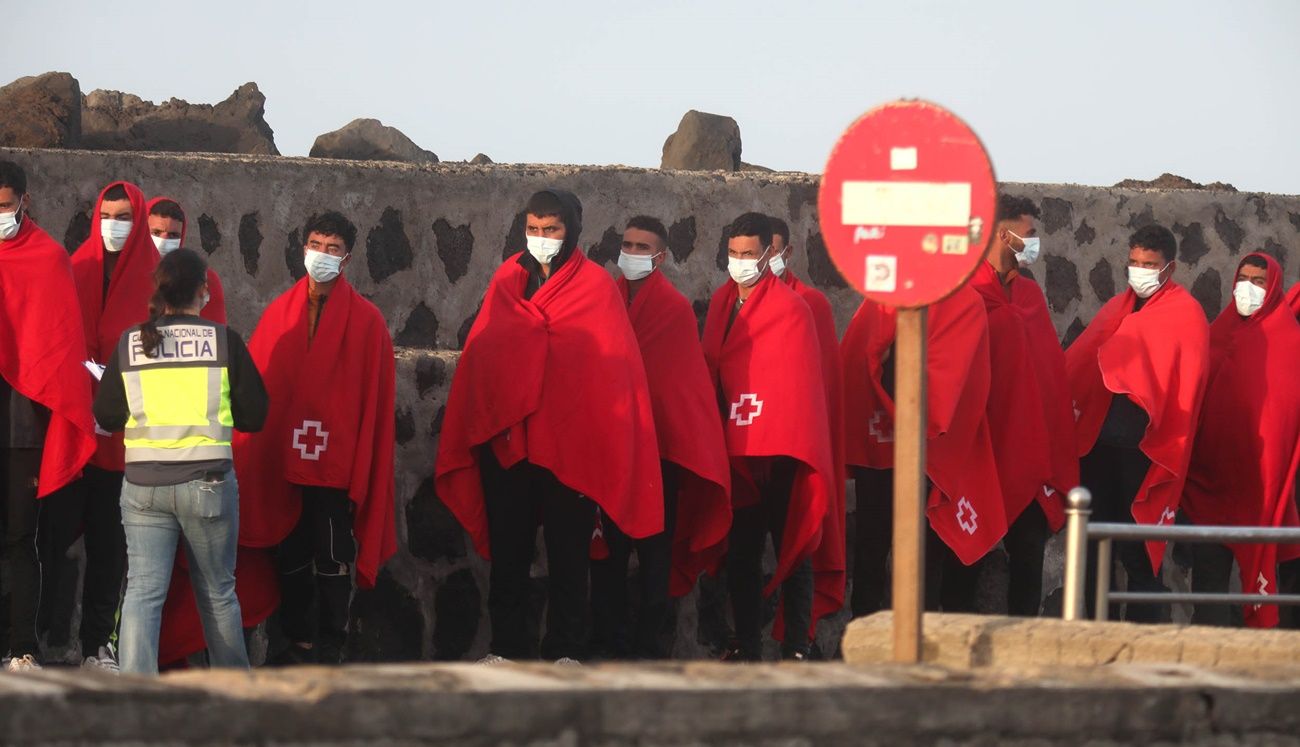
<point x="430" y="236"/>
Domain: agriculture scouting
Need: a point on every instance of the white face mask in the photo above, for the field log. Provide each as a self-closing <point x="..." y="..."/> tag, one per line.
<point x="636" y="266"/>
<point x="544" y="249"/>
<point x="745" y="271"/>
<point x="322" y="267"/>
<point x="165" y="245"/>
<point x="1029" y="254"/>
<point x="1248" y="296"/>
<point x="114" y="233"/>
<point x="1145" y="281"/>
<point x="203" y="302"/>
<point x="9" y="224"/>
<point x="777" y="264"/>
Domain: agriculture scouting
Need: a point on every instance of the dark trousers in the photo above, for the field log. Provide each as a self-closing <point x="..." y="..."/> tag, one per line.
<point x="518" y="499"/>
<point x="1212" y="573"/>
<point x="750" y="528"/>
<point x="91" y="507"/>
<point x="1113" y="475"/>
<point x="21" y="522"/>
<point x="1288" y="582"/>
<point x="949" y="585"/>
<point x="612" y="634"/>
<point x="1025" y="542"/>
<point x="315" y="563"/>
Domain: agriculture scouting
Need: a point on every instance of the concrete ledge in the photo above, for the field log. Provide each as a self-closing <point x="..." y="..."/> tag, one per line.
<point x="970" y="641"/>
<point x="660" y="704"/>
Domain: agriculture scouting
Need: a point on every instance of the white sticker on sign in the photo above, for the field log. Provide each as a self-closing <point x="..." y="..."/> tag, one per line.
<point x="882" y="273"/>
<point x="902" y="159"/>
<point x="905" y="204"/>
<point x="956" y="243"/>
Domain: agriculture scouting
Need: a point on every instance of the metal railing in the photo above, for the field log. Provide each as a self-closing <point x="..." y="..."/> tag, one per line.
<point x="1079" y="530"/>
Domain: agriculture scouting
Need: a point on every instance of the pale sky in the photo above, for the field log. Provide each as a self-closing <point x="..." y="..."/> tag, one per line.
<point x="1087" y="92"/>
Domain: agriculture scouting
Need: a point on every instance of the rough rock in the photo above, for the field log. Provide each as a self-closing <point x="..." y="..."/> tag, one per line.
<point x="112" y="120"/>
<point x="1173" y="181"/>
<point x="1008" y="643"/>
<point x="370" y="140"/>
<point x="481" y="159"/>
<point x="703" y="142"/>
<point x="41" y="111"/>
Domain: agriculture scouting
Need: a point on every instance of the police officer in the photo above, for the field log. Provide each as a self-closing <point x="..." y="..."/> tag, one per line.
<point x="178" y="384"/>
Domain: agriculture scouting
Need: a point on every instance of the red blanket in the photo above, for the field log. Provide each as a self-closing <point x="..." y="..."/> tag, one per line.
<point x="830" y="556"/>
<point x="129" y="289"/>
<point x="690" y="435"/>
<point x="965" y="507"/>
<point x="256" y="585"/>
<point x="215" y="311"/>
<point x="1030" y="418"/>
<point x="1247" y="448"/>
<point x="331" y="422"/>
<point x="558" y="380"/>
<point x="1157" y="357"/>
<point x="767" y="370"/>
<point x="42" y="348"/>
<point x="1293" y="299"/>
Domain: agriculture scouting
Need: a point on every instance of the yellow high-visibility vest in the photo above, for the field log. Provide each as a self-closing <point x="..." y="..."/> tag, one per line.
<point x="180" y="397"/>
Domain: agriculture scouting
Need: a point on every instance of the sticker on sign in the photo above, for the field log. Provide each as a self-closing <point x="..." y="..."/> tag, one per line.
<point x="882" y="273"/>
<point x="905" y="204"/>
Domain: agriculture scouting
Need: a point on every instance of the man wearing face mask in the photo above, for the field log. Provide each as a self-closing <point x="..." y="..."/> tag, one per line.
<point x="761" y="344"/>
<point x="113" y="270"/>
<point x="692" y="457"/>
<point x="830" y="561"/>
<point x="317" y="481"/>
<point x="1247" y="451"/>
<point x="46" y="431"/>
<point x="1137" y="376"/>
<point x="548" y="418"/>
<point x="1030" y="419"/>
<point x="167" y="226"/>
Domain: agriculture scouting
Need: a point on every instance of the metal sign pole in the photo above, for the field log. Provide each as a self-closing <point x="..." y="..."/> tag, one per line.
<point x="909" y="484"/>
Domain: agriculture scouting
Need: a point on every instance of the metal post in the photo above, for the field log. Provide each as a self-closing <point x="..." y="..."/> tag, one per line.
<point x="1076" y="551"/>
<point x="1103" y="581"/>
<point x="909" y="484"/>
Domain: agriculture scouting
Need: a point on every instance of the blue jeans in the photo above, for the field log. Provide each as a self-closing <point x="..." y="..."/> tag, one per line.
<point x="207" y="513"/>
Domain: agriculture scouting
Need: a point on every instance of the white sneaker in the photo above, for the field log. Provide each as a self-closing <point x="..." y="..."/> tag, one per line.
<point x="566" y="661"/>
<point x="24" y="663"/>
<point x="105" y="661"/>
<point x="493" y="659"/>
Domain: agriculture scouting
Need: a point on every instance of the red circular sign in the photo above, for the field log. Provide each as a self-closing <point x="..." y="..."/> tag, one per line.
<point x="907" y="203"/>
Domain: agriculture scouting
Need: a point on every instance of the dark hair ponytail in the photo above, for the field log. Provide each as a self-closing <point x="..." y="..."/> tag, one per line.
<point x="176" y="281"/>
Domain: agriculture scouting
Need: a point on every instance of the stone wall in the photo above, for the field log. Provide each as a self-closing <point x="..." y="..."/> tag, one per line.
<point x="431" y="235"/>
<point x="670" y="704"/>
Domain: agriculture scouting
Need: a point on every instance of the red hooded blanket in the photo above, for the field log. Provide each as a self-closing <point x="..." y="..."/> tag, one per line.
<point x="331" y="422"/>
<point x="690" y="435"/>
<point x="558" y="380"/>
<point x="965" y="507"/>
<point x="42" y="348"/>
<point x="1247" y="447"/>
<point x="127" y="304"/>
<point x="767" y="370"/>
<point x="1030" y="418"/>
<point x="1156" y="356"/>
